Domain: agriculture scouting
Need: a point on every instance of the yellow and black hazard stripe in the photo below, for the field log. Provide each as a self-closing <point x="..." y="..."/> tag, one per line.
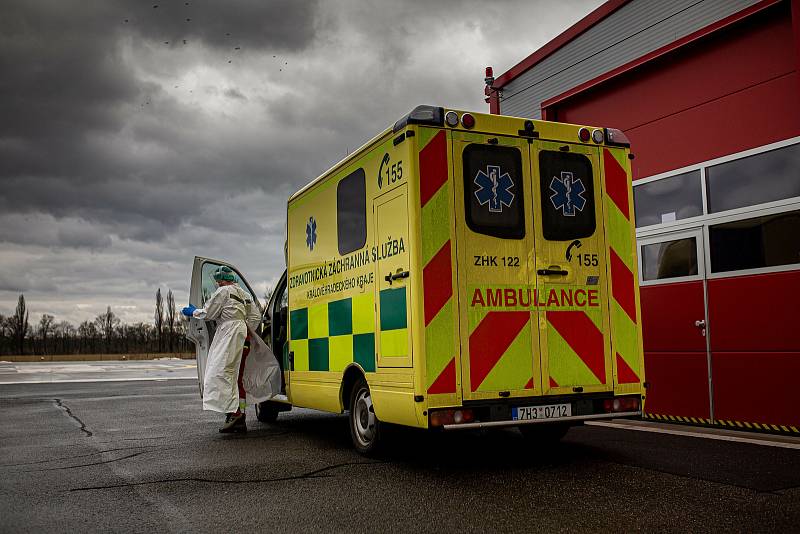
<point x="677" y="419"/>
<point x="744" y="425"/>
<point x="734" y="425"/>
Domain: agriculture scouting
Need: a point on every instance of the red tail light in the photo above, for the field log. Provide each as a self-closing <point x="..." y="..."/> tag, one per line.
<point x="621" y="404"/>
<point x="467" y="120"/>
<point x="451" y="417"/>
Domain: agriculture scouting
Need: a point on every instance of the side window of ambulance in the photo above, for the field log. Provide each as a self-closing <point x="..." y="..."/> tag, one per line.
<point x="567" y="189"/>
<point x="493" y="191"/>
<point x="210" y="286"/>
<point x="351" y="212"/>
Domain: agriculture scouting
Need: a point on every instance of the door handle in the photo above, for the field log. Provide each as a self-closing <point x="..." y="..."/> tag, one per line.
<point x="396" y="276"/>
<point x="701" y="324"/>
<point x="291" y="361"/>
<point x="552" y="270"/>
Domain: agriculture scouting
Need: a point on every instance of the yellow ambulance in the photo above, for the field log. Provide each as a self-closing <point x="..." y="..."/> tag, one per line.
<point x="460" y="270"/>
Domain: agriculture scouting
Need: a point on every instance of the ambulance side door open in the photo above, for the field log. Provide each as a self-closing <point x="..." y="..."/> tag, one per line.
<point x="275" y="332"/>
<point x="202" y="287"/>
<point x="571" y="268"/>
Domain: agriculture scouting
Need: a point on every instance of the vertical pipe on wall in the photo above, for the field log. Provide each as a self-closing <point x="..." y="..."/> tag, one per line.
<point x="796" y="38"/>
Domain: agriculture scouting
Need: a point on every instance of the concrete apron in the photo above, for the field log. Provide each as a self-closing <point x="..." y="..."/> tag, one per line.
<point x="95" y="357"/>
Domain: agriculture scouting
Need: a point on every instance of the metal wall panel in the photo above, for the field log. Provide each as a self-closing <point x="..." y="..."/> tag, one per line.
<point x="637" y="28"/>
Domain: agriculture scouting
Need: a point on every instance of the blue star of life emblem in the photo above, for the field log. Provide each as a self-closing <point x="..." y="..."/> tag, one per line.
<point x="567" y="194"/>
<point x="495" y="188"/>
<point x="311" y="233"/>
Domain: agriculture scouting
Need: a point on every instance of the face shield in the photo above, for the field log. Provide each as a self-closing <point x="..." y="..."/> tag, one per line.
<point x="210" y="279"/>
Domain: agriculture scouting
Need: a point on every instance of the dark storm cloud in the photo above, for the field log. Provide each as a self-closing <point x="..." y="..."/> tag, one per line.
<point x="59" y="71"/>
<point x="111" y="178"/>
<point x="282" y="25"/>
<point x="63" y="76"/>
<point x="234" y="93"/>
<point x="45" y="230"/>
<point x="132" y="139"/>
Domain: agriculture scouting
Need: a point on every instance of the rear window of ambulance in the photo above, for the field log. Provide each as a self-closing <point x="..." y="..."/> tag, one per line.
<point x="567" y="193"/>
<point x="493" y="191"/>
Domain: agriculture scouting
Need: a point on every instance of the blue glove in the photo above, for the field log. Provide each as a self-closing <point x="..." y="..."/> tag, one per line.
<point x="188" y="311"/>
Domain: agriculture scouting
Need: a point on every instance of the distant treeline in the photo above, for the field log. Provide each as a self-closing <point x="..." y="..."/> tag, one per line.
<point x="106" y="334"/>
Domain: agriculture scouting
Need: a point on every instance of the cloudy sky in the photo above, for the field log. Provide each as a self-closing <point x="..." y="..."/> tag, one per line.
<point x="134" y="137"/>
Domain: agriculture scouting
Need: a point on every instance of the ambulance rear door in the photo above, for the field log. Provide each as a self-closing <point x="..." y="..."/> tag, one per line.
<point x="570" y="268"/>
<point x="494" y="245"/>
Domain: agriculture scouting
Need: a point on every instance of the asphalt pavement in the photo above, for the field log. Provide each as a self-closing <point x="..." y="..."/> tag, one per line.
<point x="141" y="456"/>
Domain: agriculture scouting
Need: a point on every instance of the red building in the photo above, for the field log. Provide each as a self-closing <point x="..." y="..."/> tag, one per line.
<point x="709" y="94"/>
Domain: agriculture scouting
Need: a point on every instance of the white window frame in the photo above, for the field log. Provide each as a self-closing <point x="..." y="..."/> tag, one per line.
<point x="734" y="217"/>
<point x="696" y="232"/>
<point x="671" y="174"/>
<point x="707" y="217"/>
<point x="661" y="232"/>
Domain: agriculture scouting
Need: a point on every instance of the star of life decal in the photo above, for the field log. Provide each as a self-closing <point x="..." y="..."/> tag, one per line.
<point x="567" y="194"/>
<point x="311" y="233"/>
<point x="494" y="188"/>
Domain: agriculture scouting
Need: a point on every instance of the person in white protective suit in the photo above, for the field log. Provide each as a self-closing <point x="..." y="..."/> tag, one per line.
<point x="231" y="377"/>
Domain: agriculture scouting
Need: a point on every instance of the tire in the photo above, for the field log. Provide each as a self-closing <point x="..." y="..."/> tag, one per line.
<point x="365" y="428"/>
<point x="543" y="434"/>
<point x="267" y="412"/>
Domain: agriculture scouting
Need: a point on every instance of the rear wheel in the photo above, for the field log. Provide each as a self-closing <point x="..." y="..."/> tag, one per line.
<point x="365" y="428"/>
<point x="544" y="434"/>
<point x="267" y="412"/>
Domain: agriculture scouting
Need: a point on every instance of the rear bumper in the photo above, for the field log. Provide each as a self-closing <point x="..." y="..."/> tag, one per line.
<point x="573" y="419"/>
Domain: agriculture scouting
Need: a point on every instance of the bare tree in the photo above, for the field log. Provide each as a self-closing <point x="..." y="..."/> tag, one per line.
<point x="122" y="333"/>
<point x="106" y="322"/>
<point x="45" y="326"/>
<point x="171" y="320"/>
<point x="159" y="320"/>
<point x="65" y="332"/>
<point x="19" y="324"/>
<point x="4" y="322"/>
<point x="87" y="335"/>
<point x="106" y="333"/>
<point x="142" y="335"/>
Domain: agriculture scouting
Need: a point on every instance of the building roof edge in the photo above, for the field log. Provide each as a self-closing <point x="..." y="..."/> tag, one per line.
<point x="604" y="10"/>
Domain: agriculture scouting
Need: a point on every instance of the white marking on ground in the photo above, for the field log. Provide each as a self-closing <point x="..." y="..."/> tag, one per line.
<point x="78" y="380"/>
<point x="705" y="435"/>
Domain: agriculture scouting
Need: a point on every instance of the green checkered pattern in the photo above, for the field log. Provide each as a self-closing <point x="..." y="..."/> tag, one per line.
<point x="394" y="324"/>
<point x="329" y="336"/>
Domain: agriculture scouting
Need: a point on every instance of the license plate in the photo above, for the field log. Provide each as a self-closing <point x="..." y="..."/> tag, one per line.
<point x="550" y="411"/>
